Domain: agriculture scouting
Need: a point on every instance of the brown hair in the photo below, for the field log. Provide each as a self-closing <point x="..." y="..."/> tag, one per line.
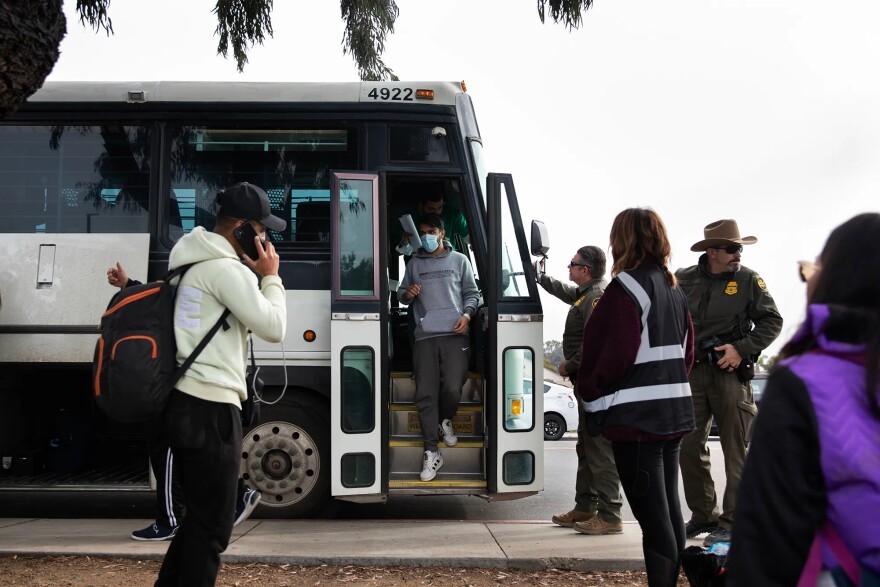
<point x="638" y="236"/>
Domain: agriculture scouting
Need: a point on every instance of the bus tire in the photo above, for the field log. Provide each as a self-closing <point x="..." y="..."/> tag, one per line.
<point x="286" y="457"/>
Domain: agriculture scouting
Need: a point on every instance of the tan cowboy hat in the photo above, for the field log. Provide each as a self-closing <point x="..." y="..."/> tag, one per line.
<point x="722" y="233"/>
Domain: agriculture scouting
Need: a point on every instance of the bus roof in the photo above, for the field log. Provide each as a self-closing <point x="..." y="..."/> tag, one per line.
<point x="444" y="93"/>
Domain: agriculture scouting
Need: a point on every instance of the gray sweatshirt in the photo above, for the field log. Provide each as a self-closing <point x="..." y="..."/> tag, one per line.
<point x="448" y="289"/>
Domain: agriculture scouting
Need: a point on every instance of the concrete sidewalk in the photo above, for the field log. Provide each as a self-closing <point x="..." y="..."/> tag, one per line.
<point x="520" y="545"/>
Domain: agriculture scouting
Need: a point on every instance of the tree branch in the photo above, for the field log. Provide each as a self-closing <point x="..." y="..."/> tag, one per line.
<point x="569" y="12"/>
<point x="94" y="12"/>
<point x="367" y="23"/>
<point x="242" y="23"/>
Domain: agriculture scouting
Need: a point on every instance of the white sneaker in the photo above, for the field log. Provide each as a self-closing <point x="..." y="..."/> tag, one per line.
<point x="433" y="461"/>
<point x="448" y="433"/>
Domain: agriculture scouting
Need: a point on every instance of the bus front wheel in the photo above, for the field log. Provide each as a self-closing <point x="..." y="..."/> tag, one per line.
<point x="286" y="457"/>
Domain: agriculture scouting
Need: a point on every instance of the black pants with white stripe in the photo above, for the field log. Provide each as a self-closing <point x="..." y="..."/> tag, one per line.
<point x="169" y="497"/>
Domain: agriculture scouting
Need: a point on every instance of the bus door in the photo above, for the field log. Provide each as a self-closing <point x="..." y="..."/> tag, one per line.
<point x="357" y="315"/>
<point x="516" y="356"/>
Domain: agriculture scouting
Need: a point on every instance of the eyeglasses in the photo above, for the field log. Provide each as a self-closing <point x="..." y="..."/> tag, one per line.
<point x="570" y="265"/>
<point x="729" y="249"/>
<point x="806" y="270"/>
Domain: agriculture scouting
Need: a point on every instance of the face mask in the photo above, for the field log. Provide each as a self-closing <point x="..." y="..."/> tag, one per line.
<point x="430" y="242"/>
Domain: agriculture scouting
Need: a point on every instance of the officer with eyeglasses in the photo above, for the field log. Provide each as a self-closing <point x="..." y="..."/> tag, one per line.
<point x="735" y="319"/>
<point x="597" y="486"/>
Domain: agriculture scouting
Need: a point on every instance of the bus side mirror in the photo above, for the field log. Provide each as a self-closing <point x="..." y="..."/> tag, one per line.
<point x="540" y="241"/>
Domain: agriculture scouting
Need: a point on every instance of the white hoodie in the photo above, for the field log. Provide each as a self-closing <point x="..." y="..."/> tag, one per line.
<point x="219" y="280"/>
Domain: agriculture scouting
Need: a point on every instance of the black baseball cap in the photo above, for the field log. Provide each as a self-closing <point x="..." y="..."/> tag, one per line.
<point x="247" y="201"/>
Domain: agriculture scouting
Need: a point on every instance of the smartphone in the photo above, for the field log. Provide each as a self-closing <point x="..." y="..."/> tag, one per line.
<point x="245" y="234"/>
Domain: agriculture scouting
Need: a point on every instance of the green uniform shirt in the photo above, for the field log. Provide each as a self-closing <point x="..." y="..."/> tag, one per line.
<point x="736" y="307"/>
<point x="454" y="224"/>
<point x="582" y="300"/>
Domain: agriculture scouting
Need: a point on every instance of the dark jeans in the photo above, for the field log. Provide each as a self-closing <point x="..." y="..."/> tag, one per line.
<point x="649" y="474"/>
<point x="205" y="438"/>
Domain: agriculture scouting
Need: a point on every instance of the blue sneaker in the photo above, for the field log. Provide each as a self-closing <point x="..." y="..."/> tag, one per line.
<point x="155" y="532"/>
<point x="246" y="505"/>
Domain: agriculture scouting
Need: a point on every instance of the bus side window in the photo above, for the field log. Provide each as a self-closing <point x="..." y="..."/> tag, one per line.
<point x="313" y="222"/>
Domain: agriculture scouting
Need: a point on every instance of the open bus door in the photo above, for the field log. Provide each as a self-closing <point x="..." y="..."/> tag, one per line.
<point x="516" y="353"/>
<point x="357" y="337"/>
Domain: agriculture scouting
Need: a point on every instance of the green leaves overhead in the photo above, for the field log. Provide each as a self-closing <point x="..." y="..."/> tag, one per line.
<point x="242" y="23"/>
<point x="568" y="12"/>
<point x="367" y="23"/>
<point x="94" y="13"/>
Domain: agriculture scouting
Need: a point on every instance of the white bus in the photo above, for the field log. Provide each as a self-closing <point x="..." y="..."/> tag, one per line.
<point x="99" y="172"/>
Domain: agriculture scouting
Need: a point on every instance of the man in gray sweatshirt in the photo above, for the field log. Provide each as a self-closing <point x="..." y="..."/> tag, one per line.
<point x="440" y="289"/>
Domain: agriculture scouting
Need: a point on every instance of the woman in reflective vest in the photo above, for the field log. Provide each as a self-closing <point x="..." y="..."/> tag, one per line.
<point x="633" y="381"/>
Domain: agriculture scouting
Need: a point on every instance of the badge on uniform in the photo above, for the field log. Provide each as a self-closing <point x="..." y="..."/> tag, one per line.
<point x="761" y="284"/>
<point x="731" y="288"/>
<point x="595" y="302"/>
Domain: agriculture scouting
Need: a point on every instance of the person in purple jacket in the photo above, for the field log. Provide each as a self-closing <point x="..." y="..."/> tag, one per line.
<point x="810" y="490"/>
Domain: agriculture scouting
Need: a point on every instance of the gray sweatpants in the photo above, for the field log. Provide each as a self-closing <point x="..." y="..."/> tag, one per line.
<point x="440" y="365"/>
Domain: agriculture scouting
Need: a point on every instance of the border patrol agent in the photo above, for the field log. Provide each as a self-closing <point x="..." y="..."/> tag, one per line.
<point x="597" y="486"/>
<point x="735" y="318"/>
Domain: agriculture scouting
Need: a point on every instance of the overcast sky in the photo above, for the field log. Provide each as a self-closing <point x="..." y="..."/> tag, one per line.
<point x="763" y="111"/>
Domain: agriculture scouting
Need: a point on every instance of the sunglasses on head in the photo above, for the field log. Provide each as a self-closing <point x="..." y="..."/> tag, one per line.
<point x="730" y="249"/>
<point x="806" y="270"/>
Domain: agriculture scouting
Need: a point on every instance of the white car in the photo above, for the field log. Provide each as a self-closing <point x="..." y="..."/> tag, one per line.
<point x="560" y="411"/>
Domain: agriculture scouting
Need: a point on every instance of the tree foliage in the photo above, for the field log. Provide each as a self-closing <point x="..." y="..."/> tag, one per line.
<point x="367" y="23"/>
<point x="569" y="12"/>
<point x="31" y="31"/>
<point x="553" y="352"/>
<point x="242" y="23"/>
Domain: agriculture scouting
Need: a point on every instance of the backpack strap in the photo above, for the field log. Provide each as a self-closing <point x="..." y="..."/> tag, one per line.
<point x="201" y="346"/>
<point x="828" y="536"/>
<point x="177" y="272"/>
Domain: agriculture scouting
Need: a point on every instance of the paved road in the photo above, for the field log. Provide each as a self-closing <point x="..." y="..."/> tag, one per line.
<point x="560" y="463"/>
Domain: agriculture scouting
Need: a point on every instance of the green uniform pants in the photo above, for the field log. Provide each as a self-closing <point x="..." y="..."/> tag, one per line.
<point x="720" y="394"/>
<point x="597" y="486"/>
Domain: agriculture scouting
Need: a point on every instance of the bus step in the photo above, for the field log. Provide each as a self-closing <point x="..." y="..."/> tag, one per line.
<point x="403" y="388"/>
<point x="401" y="482"/>
<point x="406" y="456"/>
<point x="404" y="420"/>
<point x="125" y="477"/>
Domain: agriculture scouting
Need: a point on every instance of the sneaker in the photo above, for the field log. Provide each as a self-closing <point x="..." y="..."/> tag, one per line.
<point x="568" y="519"/>
<point x="246" y="505"/>
<point x="719" y="534"/>
<point x="448" y="433"/>
<point x="596" y="526"/>
<point x="155" y="532"/>
<point x="693" y="529"/>
<point x="433" y="461"/>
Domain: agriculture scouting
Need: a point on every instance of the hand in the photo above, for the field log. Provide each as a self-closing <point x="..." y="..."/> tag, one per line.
<point x="268" y="261"/>
<point x="731" y="358"/>
<point x="539" y="266"/>
<point x="116" y="276"/>
<point x="561" y="369"/>
<point x="462" y="325"/>
<point x="412" y="291"/>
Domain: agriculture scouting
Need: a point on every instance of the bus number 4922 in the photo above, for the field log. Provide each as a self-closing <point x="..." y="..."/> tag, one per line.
<point x="395" y="94"/>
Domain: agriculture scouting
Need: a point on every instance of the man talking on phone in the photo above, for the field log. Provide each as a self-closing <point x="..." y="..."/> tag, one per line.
<point x="202" y="421"/>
